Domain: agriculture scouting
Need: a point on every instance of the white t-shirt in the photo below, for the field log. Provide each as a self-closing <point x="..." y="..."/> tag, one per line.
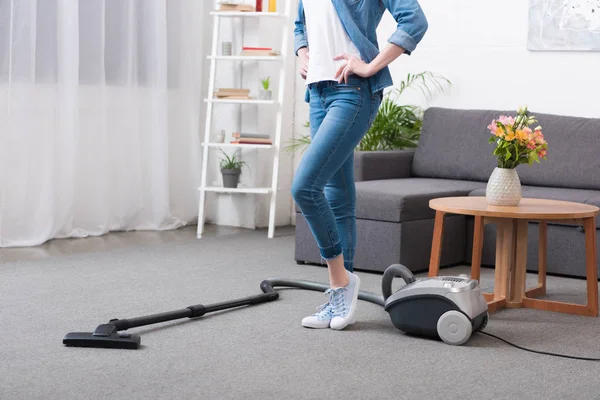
<point x="327" y="39"/>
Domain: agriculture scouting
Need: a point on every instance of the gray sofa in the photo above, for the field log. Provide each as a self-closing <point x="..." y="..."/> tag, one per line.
<point x="454" y="158"/>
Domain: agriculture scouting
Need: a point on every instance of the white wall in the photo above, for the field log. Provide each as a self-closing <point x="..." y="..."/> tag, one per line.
<point x="249" y="210"/>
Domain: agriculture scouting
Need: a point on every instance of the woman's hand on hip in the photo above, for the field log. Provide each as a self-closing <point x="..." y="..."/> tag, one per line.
<point x="354" y="65"/>
<point x="303" y="55"/>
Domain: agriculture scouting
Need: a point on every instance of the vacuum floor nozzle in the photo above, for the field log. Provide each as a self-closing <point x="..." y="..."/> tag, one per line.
<point x="117" y="340"/>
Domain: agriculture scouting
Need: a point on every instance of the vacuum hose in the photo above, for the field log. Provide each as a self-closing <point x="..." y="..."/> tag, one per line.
<point x="268" y="285"/>
<point x="390" y="273"/>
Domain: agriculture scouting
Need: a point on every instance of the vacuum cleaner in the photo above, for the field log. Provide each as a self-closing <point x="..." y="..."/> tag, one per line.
<point x="444" y="307"/>
<point x="447" y="308"/>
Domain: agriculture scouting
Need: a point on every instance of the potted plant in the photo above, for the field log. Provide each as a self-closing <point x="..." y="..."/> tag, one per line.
<point x="231" y="168"/>
<point x="515" y="144"/>
<point x="265" y="93"/>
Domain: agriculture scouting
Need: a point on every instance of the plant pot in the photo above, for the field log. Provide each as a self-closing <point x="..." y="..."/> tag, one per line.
<point x="503" y="188"/>
<point x="231" y="177"/>
<point x="265" y="95"/>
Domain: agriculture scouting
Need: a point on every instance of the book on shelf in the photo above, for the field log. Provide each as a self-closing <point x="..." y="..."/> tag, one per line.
<point x="258" y="51"/>
<point x="251" y="138"/>
<point x="238" y="135"/>
<point x="234" y="90"/>
<point x="231" y="6"/>
<point x="232" y="93"/>
<point x="252" y="141"/>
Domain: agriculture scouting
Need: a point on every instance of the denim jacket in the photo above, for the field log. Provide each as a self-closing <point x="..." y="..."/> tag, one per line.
<point x="360" y="19"/>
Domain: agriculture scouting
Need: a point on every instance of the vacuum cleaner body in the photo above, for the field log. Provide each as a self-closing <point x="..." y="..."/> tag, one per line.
<point x="446" y="307"/>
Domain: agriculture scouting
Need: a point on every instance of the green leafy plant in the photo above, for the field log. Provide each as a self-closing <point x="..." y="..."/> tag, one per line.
<point x="231" y="162"/>
<point x="396" y="126"/>
<point x="266" y="83"/>
<point x="301" y="142"/>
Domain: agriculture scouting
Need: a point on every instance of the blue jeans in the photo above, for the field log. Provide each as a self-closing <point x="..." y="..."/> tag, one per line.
<point x="323" y="187"/>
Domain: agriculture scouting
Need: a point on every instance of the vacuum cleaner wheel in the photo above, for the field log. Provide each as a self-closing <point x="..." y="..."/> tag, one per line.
<point x="454" y="327"/>
<point x="484" y="322"/>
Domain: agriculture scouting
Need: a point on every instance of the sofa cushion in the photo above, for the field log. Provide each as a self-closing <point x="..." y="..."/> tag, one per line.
<point x="573" y="154"/>
<point x="562" y="194"/>
<point x="399" y="200"/>
<point x="384" y="164"/>
<point x="454" y="145"/>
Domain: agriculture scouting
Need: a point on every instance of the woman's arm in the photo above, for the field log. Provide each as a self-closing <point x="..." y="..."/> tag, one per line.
<point x="411" y="27"/>
<point x="359" y="67"/>
<point x="300" y="39"/>
<point x="411" y="23"/>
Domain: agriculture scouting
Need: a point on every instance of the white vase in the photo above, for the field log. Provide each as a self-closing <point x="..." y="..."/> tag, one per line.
<point x="503" y="188"/>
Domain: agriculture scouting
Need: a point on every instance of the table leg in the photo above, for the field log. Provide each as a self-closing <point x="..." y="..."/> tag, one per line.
<point x="512" y="270"/>
<point x="520" y="264"/>
<point x="540" y="289"/>
<point x="590" y="263"/>
<point x="591" y="308"/>
<point x="436" y="244"/>
<point x="504" y="244"/>
<point x="477" y="248"/>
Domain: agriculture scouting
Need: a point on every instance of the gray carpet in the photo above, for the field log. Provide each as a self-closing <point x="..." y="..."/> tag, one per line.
<point x="260" y="352"/>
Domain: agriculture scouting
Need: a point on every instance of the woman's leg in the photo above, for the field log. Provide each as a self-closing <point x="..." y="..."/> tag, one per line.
<point x="349" y="109"/>
<point x="343" y="125"/>
<point x="340" y="191"/>
<point x="341" y="195"/>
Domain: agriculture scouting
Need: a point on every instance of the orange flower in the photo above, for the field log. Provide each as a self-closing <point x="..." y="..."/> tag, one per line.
<point x="510" y="135"/>
<point x="522" y="135"/>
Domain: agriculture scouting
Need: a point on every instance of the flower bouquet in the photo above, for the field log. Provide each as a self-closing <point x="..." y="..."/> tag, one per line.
<point x="516" y="143"/>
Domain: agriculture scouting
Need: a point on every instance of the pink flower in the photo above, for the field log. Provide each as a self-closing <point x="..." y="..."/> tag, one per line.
<point x="531" y="145"/>
<point x="542" y="153"/>
<point x="493" y="127"/>
<point x="506" y="121"/>
<point x="527" y="130"/>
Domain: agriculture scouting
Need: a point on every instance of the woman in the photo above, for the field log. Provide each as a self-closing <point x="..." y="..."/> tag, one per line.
<point x="345" y="76"/>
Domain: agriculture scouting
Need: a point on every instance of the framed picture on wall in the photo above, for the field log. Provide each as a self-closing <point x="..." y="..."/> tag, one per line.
<point x="564" y="25"/>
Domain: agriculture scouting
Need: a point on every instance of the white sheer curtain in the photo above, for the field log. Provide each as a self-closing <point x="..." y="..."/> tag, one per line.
<point x="99" y="116"/>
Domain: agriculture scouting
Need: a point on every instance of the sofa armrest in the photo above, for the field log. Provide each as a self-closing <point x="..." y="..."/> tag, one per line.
<point x="373" y="165"/>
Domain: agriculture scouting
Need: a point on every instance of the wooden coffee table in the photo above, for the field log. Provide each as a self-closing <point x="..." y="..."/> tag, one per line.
<point x="511" y="248"/>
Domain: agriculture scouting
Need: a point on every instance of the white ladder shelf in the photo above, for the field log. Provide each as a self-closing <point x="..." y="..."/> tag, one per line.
<point x="278" y="103"/>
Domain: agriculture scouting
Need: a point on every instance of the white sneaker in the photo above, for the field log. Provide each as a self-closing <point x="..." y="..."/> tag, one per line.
<point x="322" y="317"/>
<point x="344" y="302"/>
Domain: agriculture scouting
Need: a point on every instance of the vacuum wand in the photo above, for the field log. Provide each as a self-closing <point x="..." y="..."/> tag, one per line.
<point x="191" y="311"/>
<point x="110" y="335"/>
